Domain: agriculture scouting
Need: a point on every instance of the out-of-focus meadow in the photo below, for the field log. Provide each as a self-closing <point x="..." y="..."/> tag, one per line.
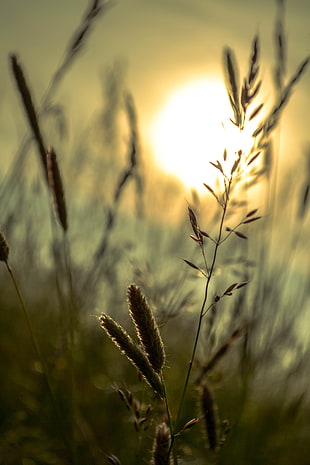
<point x="67" y="395"/>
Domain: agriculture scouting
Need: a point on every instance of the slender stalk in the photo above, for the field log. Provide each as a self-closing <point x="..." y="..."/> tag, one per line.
<point x="73" y="328"/>
<point x="166" y="403"/>
<point x="170" y="422"/>
<point x="39" y="355"/>
<point x="202" y="312"/>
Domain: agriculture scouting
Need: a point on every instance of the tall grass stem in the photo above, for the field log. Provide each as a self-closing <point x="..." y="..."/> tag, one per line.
<point x="40" y="357"/>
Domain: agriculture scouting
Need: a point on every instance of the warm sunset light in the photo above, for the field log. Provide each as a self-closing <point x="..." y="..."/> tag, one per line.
<point x="193" y="128"/>
<point x="154" y="232"/>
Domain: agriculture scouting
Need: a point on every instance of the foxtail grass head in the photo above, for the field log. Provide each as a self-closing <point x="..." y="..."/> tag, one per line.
<point x="161" y="445"/>
<point x="132" y="351"/>
<point x="146" y="327"/>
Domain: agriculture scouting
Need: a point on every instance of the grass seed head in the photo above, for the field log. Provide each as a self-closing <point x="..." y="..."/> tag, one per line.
<point x="161" y="445"/>
<point x="4" y="248"/>
<point x="56" y="187"/>
<point x="146" y="327"/>
<point x="210" y="413"/>
<point x="29" y="107"/>
<point x="132" y="351"/>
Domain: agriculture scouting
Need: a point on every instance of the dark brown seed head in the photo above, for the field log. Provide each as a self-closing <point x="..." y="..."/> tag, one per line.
<point x="29" y="107"/>
<point x="4" y="248"/>
<point x="146" y="327"/>
<point x="161" y="445"/>
<point x="210" y="413"/>
<point x="133" y="352"/>
<point x="56" y="187"/>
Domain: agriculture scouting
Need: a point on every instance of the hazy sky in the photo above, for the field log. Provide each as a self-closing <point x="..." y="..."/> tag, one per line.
<point x="164" y="44"/>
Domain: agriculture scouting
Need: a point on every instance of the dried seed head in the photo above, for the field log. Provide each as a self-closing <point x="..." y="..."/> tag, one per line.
<point x="210" y="413"/>
<point x="146" y="327"/>
<point x="29" y="107"/>
<point x="56" y="187"/>
<point x="232" y="84"/>
<point x="4" y="248"/>
<point x="136" y="356"/>
<point x="161" y="445"/>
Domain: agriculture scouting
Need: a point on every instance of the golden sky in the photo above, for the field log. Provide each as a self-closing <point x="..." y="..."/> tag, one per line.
<point x="163" y="45"/>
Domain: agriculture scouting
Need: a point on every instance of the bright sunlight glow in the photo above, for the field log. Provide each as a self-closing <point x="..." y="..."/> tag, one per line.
<point x="192" y="129"/>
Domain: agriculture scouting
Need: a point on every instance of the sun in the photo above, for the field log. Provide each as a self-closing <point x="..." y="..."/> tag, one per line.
<point x="192" y="128"/>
